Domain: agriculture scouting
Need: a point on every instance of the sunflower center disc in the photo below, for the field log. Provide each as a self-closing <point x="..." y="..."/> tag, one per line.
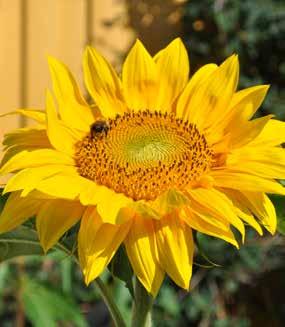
<point x="142" y="154"/>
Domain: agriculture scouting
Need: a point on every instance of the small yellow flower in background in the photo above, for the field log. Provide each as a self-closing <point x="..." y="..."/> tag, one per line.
<point x="157" y="156"/>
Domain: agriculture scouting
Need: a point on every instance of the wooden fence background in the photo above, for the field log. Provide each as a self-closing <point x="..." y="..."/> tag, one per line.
<point x="32" y="29"/>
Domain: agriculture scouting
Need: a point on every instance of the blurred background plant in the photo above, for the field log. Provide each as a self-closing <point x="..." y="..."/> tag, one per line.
<point x="253" y="30"/>
<point x="248" y="288"/>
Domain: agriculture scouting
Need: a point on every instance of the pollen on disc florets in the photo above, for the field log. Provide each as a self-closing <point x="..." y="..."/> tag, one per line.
<point x="142" y="154"/>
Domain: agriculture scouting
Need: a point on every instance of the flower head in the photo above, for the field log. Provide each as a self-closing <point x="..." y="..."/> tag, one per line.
<point x="156" y="156"/>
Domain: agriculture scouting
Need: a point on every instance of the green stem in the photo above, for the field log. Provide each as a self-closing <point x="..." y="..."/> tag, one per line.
<point x="142" y="307"/>
<point x="108" y="299"/>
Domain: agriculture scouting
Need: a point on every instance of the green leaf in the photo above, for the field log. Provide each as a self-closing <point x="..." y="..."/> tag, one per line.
<point x="66" y="273"/>
<point x="19" y="242"/>
<point x="45" y="307"/>
<point x="120" y="267"/>
<point x="24" y="241"/>
<point x="3" y="199"/>
<point x="168" y="299"/>
<point x="278" y="202"/>
<point x="5" y="274"/>
<point x="281" y="226"/>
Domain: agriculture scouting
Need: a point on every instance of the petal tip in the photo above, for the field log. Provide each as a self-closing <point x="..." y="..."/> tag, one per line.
<point x="88" y="51"/>
<point x="87" y="280"/>
<point x="53" y="62"/>
<point x="272" y="230"/>
<point x="232" y="60"/>
<point x="138" y="42"/>
<point x="265" y="87"/>
<point x="139" y="46"/>
<point x="45" y="248"/>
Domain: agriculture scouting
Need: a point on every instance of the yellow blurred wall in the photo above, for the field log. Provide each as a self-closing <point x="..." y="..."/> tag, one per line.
<point x="32" y="29"/>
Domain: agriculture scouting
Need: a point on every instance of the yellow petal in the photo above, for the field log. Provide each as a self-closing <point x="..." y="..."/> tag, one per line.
<point x="36" y="158"/>
<point x="89" y="227"/>
<point x="24" y="139"/>
<point x="36" y="137"/>
<point x="139" y="77"/>
<point x="17" y="210"/>
<point x="97" y="243"/>
<point x="161" y="206"/>
<point x="142" y="253"/>
<point x="245" y="103"/>
<point x="103" y="83"/>
<point x="246" y="132"/>
<point x="74" y="110"/>
<point x="40" y="196"/>
<point x="60" y="136"/>
<point x="209" y="216"/>
<point x="242" y="209"/>
<point x="35" y="114"/>
<point x="246" y="182"/>
<point x="241" y="109"/>
<point x="70" y="186"/>
<point x="28" y="179"/>
<point x="12" y="151"/>
<point x="209" y="102"/>
<point x="117" y="213"/>
<point x="219" y="204"/>
<point x="262" y="208"/>
<point x="267" y="162"/>
<point x="54" y="218"/>
<point x="64" y="186"/>
<point x="227" y="76"/>
<point x="173" y="72"/>
<point x="197" y="222"/>
<point x="175" y="248"/>
<point x="272" y="134"/>
<point x="183" y="109"/>
<point x="143" y="209"/>
<point x="168" y="201"/>
<point x="254" y="153"/>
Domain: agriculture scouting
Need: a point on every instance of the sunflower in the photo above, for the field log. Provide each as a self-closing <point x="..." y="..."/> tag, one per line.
<point x="154" y="157"/>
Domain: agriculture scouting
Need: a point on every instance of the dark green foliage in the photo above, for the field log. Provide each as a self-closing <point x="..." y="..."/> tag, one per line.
<point x="232" y="295"/>
<point x="19" y="242"/>
<point x="278" y="202"/>
<point x="120" y="267"/>
<point x="45" y="307"/>
<point x="253" y="29"/>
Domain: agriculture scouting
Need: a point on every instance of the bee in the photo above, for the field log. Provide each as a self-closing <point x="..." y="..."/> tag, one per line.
<point x="99" y="127"/>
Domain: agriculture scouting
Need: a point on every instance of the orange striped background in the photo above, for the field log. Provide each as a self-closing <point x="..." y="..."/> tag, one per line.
<point x="32" y="29"/>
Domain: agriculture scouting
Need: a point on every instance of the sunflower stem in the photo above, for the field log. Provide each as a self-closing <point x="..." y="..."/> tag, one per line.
<point x="142" y="307"/>
<point x="108" y="299"/>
